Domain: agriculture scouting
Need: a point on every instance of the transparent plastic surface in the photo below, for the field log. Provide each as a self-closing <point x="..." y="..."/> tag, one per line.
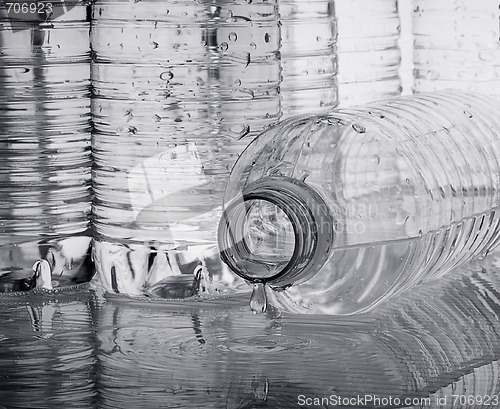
<point x="45" y="156"/>
<point x="368" y="53"/>
<point x="180" y="88"/>
<point x="457" y="45"/>
<point x="308" y="56"/>
<point x="378" y="198"/>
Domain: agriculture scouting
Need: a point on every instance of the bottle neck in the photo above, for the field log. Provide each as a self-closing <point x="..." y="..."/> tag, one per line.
<point x="310" y="233"/>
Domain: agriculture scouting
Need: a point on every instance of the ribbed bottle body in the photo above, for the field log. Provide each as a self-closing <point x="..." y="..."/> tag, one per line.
<point x="457" y="45"/>
<point x="368" y="53"/>
<point x="45" y="156"/>
<point x="308" y="56"/>
<point x="180" y="88"/>
<point x="411" y="185"/>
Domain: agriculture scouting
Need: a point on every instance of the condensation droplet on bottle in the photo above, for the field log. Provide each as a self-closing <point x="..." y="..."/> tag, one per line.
<point x="157" y="118"/>
<point x="154" y="44"/>
<point x="224" y="46"/>
<point x="127" y="129"/>
<point x="402" y="217"/>
<point x="375" y="159"/>
<point x="267" y="37"/>
<point x="237" y="82"/>
<point x="432" y="75"/>
<point x="258" y="300"/>
<point x="359" y="128"/>
<point x="166" y="76"/>
<point x="253" y="46"/>
<point x="240" y="130"/>
<point x="232" y="36"/>
<point x="128" y="115"/>
<point x="488" y="56"/>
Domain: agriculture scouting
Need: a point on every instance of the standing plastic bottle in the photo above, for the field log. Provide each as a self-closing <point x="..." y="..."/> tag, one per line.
<point x="45" y="157"/>
<point x="180" y="88"/>
<point x="308" y="56"/>
<point x="457" y="45"/>
<point x="369" y="201"/>
<point x="368" y="52"/>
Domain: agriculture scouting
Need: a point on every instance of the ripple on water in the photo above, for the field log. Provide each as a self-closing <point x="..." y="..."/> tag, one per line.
<point x="262" y="344"/>
<point x="217" y="354"/>
<point x="200" y="348"/>
<point x="48" y="351"/>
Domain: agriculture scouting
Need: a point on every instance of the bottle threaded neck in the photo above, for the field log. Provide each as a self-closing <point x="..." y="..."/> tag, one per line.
<point x="310" y="233"/>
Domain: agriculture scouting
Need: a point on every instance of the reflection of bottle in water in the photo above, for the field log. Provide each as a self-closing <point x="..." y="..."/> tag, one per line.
<point x="45" y="155"/>
<point x="230" y="358"/>
<point x="179" y="89"/>
<point x="373" y="200"/>
<point x="457" y="45"/>
<point x="439" y="340"/>
<point x="445" y="336"/>
<point x="48" y="356"/>
<point x="478" y="389"/>
<point x="368" y="52"/>
<point x="308" y="37"/>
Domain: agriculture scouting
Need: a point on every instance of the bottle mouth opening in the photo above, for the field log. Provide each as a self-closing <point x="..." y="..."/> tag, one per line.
<point x="278" y="231"/>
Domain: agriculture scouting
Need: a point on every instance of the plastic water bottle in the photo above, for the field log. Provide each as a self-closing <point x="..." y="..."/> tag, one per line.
<point x="45" y="156"/>
<point x="337" y="213"/>
<point x="368" y="52"/>
<point x="180" y="88"/>
<point x="308" y="56"/>
<point x="457" y="45"/>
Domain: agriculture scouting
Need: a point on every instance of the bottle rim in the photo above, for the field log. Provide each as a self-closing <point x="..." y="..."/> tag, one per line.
<point x="306" y="211"/>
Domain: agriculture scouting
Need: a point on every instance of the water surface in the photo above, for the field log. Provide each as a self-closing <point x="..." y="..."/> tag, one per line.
<point x="78" y="350"/>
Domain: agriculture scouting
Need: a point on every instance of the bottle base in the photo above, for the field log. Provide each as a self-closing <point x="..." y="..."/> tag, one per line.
<point x="68" y="258"/>
<point x="166" y="272"/>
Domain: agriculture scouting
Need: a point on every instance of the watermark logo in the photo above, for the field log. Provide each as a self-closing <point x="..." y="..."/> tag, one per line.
<point x="20" y="12"/>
